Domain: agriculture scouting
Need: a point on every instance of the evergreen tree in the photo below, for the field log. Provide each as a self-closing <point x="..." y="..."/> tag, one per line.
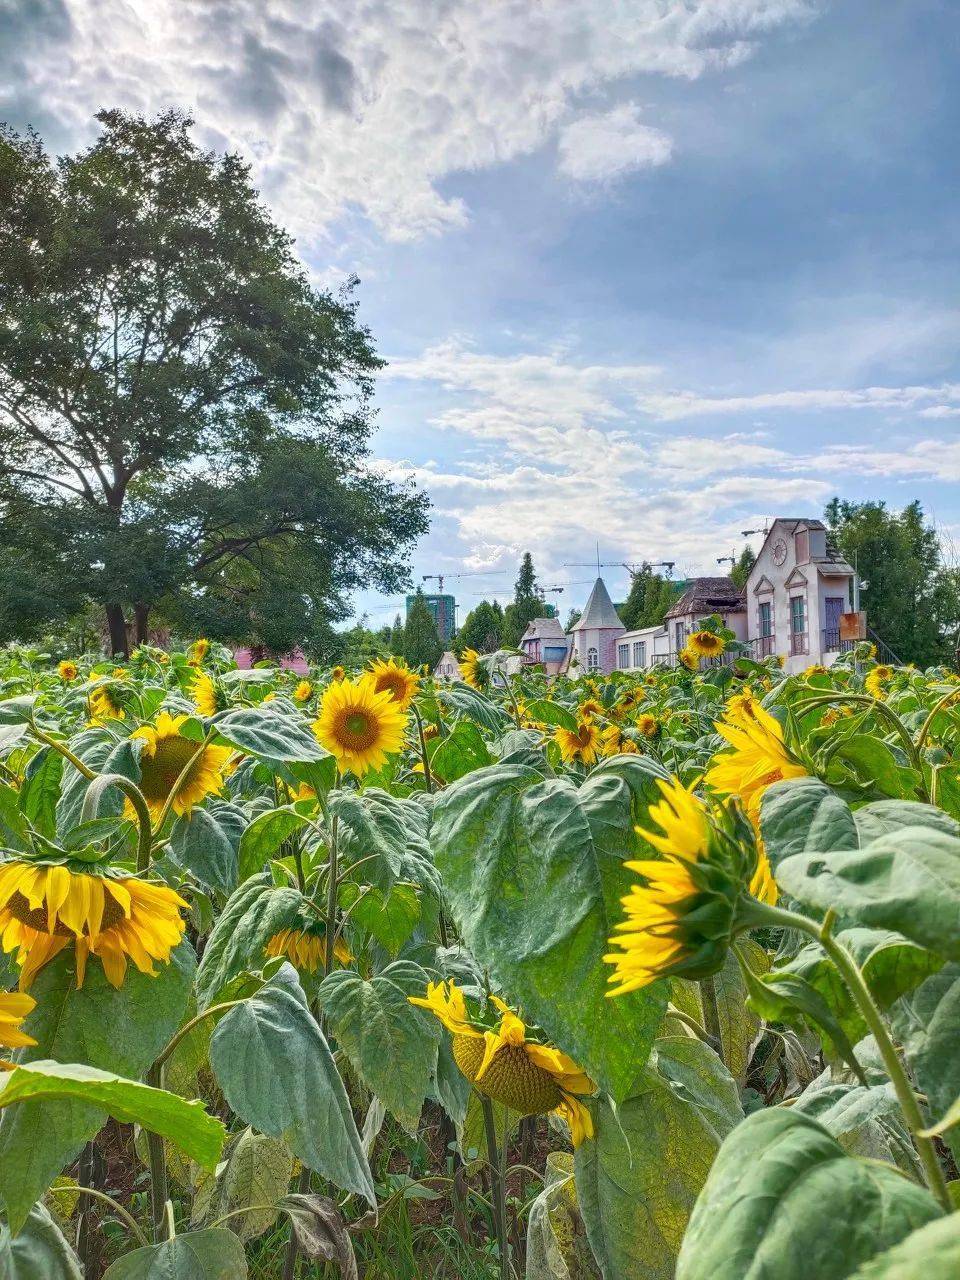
<point x="396" y="637"/>
<point x="911" y="602"/>
<point x="421" y="639"/>
<point x="651" y="595"/>
<point x="527" y="604"/>
<point x="482" y="628"/>
<point x="741" y="570"/>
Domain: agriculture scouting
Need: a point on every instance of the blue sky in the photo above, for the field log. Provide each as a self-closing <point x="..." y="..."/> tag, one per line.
<point x="645" y="273"/>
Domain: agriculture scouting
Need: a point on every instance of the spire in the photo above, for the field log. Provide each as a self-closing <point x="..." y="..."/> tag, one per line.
<point x="599" y="613"/>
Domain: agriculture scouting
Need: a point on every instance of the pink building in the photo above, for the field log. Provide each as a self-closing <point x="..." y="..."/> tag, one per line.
<point x="596" y="633"/>
<point x="295" y="660"/>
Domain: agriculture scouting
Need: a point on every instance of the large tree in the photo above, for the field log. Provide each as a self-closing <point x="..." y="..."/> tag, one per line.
<point x="422" y="645"/>
<point x="527" y="604"/>
<point x="482" y="628"/>
<point x="911" y="601"/>
<point x="184" y="420"/>
<point x="651" y="595"/>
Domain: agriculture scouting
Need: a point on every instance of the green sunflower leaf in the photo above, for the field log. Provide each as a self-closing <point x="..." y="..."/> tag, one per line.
<point x="213" y="1254"/>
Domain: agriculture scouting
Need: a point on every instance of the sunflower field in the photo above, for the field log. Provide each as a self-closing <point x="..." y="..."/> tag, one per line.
<point x="362" y="974"/>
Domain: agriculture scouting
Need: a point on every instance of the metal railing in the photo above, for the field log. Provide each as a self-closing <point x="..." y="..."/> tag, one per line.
<point x="766" y="646"/>
<point x="830" y="641"/>
<point x="799" y="643"/>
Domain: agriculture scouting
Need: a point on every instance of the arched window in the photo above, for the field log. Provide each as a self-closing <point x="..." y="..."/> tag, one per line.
<point x="593" y="660"/>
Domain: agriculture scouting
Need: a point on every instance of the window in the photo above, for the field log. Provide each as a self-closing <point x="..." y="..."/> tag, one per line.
<point x="593" y="660"/>
<point x="623" y="656"/>
<point x="766" y="618"/>
<point x="639" y="653"/>
<point x="798" y="622"/>
<point x="678" y="635"/>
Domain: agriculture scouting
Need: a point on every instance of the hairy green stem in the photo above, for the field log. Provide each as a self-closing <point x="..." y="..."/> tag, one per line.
<point x="158" y="1169"/>
<point x="762" y="914"/>
<point x="498" y="1195"/>
<point x="427" y="775"/>
<point x="711" y="1012"/>
<point x="91" y="803"/>
<point x="126" y="1218"/>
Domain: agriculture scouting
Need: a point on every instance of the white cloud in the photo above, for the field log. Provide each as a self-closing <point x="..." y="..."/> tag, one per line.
<point x="601" y="147"/>
<point x="371" y="105"/>
<point x="671" y="405"/>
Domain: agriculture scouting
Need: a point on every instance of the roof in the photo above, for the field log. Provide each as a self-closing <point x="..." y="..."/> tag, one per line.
<point x="833" y="555"/>
<point x="708" y="595"/>
<point x="598" y="613"/>
<point x="544" y="629"/>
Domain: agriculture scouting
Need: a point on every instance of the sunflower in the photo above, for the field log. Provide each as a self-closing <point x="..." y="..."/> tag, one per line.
<point x="103" y="703"/>
<point x="472" y="670"/>
<point x="706" y="644"/>
<point x="679" y="919"/>
<point x="647" y="725"/>
<point x="582" y="743"/>
<point x="206" y="697"/>
<point x="833" y="714"/>
<point x="166" y="754"/>
<point x="338" y="674"/>
<point x="815" y="669"/>
<point x="506" y="1066"/>
<point x="688" y="659"/>
<point x="759" y="758"/>
<point x="614" y="742"/>
<point x="306" y="947"/>
<point x="303" y="692"/>
<point x="396" y="679"/>
<point x="876" y="680"/>
<point x="359" y="726"/>
<point x="632" y="698"/>
<point x="45" y="906"/>
<point x="14" y="1007"/>
<point x="591" y="707"/>
<point x="741" y="709"/>
<point x="198" y="651"/>
<point x="67" y="671"/>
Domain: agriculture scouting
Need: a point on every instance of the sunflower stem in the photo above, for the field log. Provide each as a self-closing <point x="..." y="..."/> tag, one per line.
<point x="711" y="1013"/>
<point x="64" y="750"/>
<point x="496" y="1186"/>
<point x="764" y="914"/>
<point x="126" y="1218"/>
<point x="158" y="1169"/>
<point x="427" y="775"/>
<point x="91" y="803"/>
<point x="187" y="1027"/>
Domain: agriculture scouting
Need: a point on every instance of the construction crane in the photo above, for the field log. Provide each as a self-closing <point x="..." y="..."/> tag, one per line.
<point x="479" y="573"/>
<point x="633" y="570"/>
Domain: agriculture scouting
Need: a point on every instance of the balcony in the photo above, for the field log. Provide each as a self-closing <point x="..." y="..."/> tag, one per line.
<point x="799" y="643"/>
<point x="830" y="640"/>
<point x="766" y="646"/>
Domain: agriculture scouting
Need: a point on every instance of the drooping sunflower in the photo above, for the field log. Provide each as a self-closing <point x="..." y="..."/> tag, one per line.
<point x="877" y="680"/>
<point x="67" y="671"/>
<point x="166" y="754"/>
<point x="472" y="670"/>
<point x="198" y="651"/>
<point x="104" y="702"/>
<point x="527" y="1077"/>
<point x="44" y="906"/>
<point x="582" y="743"/>
<point x="632" y="698"/>
<point x="591" y="707"/>
<point x="616" y="743"/>
<point x="303" y="692"/>
<point x="305" y="946"/>
<point x="358" y="725"/>
<point x="14" y="1007"/>
<point x="397" y="679"/>
<point x="679" y="918"/>
<point x="815" y="669"/>
<point x="760" y="757"/>
<point x="207" y="698"/>
<point x="706" y="644"/>
<point x="687" y="658"/>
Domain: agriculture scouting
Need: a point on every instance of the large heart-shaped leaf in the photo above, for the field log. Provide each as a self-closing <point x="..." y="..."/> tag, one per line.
<point x="802" y="814"/>
<point x="391" y="1043"/>
<point x="252" y="915"/>
<point x="533" y="872"/>
<point x="205" y="841"/>
<point x="783" y="1199"/>
<point x="118" y="1031"/>
<point x="187" y="1124"/>
<point x="638" y="1178"/>
<point x="269" y="734"/>
<point x="908" y="882"/>
<point x="39" y="1252"/>
<point x="278" y="1074"/>
<point x="926" y="1023"/>
<point x="214" y="1254"/>
<point x="930" y="1253"/>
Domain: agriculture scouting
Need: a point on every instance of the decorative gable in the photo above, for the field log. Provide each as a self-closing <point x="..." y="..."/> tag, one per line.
<point x="796" y="579"/>
<point x="763" y="586"/>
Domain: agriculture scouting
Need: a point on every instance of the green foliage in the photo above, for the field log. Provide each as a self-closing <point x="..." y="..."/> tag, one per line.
<point x="912" y="601"/>
<point x="421" y="640"/>
<point x="527" y="604"/>
<point x="482" y="629"/>
<point x="214" y="1254"/>
<point x="38" y="1252"/>
<point x="188" y="419"/>
<point x="501" y="834"/>
<point x="762" y="1211"/>
<point x="741" y="570"/>
<point x="651" y="595"/>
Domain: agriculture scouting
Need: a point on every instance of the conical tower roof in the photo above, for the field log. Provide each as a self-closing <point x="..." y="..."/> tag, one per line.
<point x="598" y="613"/>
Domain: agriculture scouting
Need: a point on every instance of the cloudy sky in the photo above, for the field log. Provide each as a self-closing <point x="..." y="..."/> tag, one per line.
<point x="645" y="271"/>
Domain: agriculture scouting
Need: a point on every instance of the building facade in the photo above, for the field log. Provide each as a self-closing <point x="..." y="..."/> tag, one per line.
<point x="595" y="634"/>
<point x="545" y="642"/>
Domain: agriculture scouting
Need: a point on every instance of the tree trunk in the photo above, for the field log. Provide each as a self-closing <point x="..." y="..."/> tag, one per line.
<point x="119" y="645"/>
<point x="140" y="614"/>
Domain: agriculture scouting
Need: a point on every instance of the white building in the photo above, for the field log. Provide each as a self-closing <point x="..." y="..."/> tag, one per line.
<point x="448" y="668"/>
<point x="798" y="604"/>
<point x="596" y="632"/>
<point x="545" y="642"/>
<point x="800" y="596"/>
